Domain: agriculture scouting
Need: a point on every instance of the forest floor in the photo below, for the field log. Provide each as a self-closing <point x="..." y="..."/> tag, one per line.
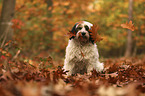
<point x="39" y="77"/>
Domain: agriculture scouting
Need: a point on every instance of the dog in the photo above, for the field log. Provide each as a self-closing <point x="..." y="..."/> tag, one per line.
<point x="81" y="53"/>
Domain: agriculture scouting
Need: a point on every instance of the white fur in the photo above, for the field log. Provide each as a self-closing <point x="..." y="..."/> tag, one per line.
<point x="74" y="57"/>
<point x="86" y="23"/>
<point x="81" y="58"/>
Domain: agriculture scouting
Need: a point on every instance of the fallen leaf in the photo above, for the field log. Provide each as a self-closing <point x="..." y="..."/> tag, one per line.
<point x="71" y="34"/>
<point x="94" y="34"/>
<point x="82" y="54"/>
<point x="128" y="25"/>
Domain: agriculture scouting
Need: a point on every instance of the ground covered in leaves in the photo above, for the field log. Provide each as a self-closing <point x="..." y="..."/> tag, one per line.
<point x="39" y="77"/>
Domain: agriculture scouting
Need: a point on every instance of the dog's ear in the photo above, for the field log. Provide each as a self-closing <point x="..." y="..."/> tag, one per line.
<point x="91" y="39"/>
<point x="73" y="31"/>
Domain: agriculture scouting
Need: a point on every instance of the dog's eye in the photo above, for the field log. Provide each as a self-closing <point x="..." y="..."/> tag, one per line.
<point x="86" y="27"/>
<point x="79" y="28"/>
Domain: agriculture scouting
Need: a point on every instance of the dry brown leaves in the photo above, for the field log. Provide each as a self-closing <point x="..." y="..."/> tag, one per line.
<point x="121" y="77"/>
<point x="94" y="34"/>
<point x="128" y="25"/>
<point x="71" y="34"/>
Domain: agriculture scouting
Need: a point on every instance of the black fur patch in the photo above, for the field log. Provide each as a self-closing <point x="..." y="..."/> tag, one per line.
<point x="74" y="31"/>
<point x="91" y="39"/>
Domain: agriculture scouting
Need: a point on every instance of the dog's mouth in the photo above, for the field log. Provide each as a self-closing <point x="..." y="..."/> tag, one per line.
<point x="83" y="38"/>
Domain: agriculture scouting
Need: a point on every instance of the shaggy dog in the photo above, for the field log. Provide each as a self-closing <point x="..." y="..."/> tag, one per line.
<point x="81" y="53"/>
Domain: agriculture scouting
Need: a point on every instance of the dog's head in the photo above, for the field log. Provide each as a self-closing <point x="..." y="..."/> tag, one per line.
<point x="81" y="31"/>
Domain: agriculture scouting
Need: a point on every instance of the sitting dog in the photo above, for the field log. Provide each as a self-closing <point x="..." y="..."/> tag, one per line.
<point x="81" y="53"/>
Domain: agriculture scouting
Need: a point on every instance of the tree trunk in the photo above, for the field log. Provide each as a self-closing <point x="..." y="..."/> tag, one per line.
<point x="7" y="14"/>
<point x="129" y="36"/>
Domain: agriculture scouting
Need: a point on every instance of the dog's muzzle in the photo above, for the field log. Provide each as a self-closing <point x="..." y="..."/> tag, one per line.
<point x="83" y="37"/>
<point x="83" y="33"/>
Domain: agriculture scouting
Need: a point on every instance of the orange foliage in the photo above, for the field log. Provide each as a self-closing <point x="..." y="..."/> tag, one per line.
<point x="70" y="34"/>
<point x="64" y="13"/>
<point x="17" y="24"/>
<point x="94" y="34"/>
<point x="128" y="26"/>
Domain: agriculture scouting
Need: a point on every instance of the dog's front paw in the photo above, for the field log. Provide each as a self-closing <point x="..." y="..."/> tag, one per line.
<point x="100" y="67"/>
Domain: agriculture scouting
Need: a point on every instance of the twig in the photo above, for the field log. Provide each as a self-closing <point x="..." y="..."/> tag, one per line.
<point x="18" y="52"/>
<point x="5" y="33"/>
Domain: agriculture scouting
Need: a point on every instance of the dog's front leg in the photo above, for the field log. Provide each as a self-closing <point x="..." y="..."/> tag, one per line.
<point x="90" y="68"/>
<point x="99" y="66"/>
<point x="68" y="66"/>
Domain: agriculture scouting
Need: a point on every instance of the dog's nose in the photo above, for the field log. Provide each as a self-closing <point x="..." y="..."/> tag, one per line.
<point x="83" y="33"/>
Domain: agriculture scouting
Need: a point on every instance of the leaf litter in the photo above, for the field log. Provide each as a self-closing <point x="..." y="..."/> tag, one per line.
<point x="39" y="77"/>
<point x="121" y="77"/>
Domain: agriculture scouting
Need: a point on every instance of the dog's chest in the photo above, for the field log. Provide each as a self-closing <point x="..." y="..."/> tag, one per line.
<point x="83" y="53"/>
<point x="80" y="57"/>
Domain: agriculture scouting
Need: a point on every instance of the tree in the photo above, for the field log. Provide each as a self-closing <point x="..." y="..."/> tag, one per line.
<point x="129" y="36"/>
<point x="5" y="21"/>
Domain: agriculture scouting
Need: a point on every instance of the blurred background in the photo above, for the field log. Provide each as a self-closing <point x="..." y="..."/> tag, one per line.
<point x="39" y="27"/>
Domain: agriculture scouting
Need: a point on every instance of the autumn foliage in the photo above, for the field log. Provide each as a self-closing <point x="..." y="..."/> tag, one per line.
<point x="94" y="34"/>
<point x="128" y="26"/>
<point x="47" y="25"/>
<point x="31" y="63"/>
<point x="17" y="24"/>
<point x="40" y="77"/>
